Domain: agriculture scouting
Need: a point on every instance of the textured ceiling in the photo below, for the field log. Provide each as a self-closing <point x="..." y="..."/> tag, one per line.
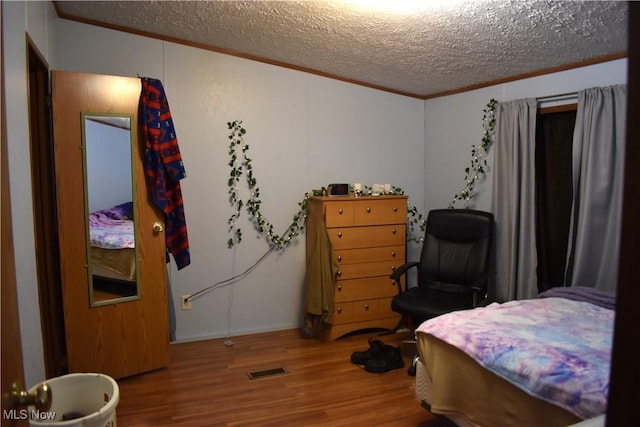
<point x="440" y="47"/>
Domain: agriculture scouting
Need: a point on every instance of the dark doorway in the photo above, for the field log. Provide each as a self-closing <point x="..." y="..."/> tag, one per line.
<point x="44" y="216"/>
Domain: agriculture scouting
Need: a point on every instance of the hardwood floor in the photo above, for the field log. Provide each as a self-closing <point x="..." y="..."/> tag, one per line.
<point x="207" y="385"/>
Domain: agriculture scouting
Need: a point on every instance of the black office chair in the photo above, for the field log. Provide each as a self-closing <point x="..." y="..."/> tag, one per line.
<point x="453" y="272"/>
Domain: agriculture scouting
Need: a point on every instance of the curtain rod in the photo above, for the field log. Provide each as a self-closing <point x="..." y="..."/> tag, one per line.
<point x="558" y="96"/>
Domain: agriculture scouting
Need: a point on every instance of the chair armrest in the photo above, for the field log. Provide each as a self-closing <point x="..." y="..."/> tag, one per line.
<point x="397" y="274"/>
<point x="480" y="286"/>
<point x="403" y="269"/>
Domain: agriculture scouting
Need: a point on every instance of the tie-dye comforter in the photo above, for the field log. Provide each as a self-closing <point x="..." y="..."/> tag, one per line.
<point x="112" y="228"/>
<point x="555" y="349"/>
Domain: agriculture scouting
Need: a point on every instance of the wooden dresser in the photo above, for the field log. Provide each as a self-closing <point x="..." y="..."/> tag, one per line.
<point x="368" y="235"/>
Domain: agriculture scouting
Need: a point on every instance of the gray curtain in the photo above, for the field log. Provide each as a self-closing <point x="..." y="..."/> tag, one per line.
<point x="513" y="202"/>
<point x="598" y="168"/>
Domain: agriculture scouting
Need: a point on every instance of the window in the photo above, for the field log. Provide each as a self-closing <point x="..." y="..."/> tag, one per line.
<point x="554" y="192"/>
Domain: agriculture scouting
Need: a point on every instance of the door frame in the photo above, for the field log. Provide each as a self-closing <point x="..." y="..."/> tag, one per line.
<point x="624" y="382"/>
<point x="44" y="214"/>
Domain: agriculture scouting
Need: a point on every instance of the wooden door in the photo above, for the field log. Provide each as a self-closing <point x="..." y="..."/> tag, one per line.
<point x="123" y="338"/>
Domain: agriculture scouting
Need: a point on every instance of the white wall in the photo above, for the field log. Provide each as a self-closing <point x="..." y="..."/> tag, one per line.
<point x="454" y="123"/>
<point x="108" y="165"/>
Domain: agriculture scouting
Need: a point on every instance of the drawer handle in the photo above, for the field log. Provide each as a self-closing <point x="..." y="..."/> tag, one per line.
<point x="339" y="257"/>
<point x="339" y="310"/>
<point x="393" y="268"/>
<point x="368" y="210"/>
<point x="339" y="233"/>
<point x="395" y="209"/>
<point x="339" y="273"/>
<point x="393" y="283"/>
<point x="366" y="307"/>
<point x="340" y="211"/>
<point x="393" y="254"/>
<point x="339" y="288"/>
<point x="393" y="231"/>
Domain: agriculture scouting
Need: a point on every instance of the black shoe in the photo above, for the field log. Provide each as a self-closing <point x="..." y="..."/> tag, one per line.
<point x="375" y="350"/>
<point x="390" y="359"/>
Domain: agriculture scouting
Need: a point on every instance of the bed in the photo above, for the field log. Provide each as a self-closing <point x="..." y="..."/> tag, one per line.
<point x="538" y="362"/>
<point x="112" y="243"/>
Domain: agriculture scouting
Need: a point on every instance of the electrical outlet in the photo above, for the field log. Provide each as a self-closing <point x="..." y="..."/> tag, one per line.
<point x="186" y="303"/>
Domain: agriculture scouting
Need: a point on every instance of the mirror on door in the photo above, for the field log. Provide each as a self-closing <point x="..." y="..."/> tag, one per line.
<point x="109" y="203"/>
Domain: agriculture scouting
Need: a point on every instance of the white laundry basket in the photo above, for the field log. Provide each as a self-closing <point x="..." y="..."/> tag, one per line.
<point x="87" y="400"/>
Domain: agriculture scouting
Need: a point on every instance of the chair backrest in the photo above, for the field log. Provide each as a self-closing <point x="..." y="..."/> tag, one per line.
<point x="456" y="247"/>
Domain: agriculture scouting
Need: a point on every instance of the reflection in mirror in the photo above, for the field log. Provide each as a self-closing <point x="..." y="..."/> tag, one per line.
<point x="107" y="143"/>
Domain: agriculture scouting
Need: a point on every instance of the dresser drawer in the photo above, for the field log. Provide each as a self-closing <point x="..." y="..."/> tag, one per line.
<point x="371" y="309"/>
<point x="367" y="269"/>
<point x="380" y="212"/>
<point x="347" y="213"/>
<point x="343" y="313"/>
<point x="382" y="253"/>
<point x="364" y="237"/>
<point x="360" y="289"/>
<point x="339" y="214"/>
<point x="358" y="311"/>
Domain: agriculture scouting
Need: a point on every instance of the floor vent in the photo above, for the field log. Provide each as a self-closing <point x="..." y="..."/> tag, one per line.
<point x="254" y="375"/>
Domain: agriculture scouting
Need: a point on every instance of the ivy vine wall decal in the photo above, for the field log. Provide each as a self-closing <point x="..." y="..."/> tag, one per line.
<point x="241" y="165"/>
<point x="478" y="167"/>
